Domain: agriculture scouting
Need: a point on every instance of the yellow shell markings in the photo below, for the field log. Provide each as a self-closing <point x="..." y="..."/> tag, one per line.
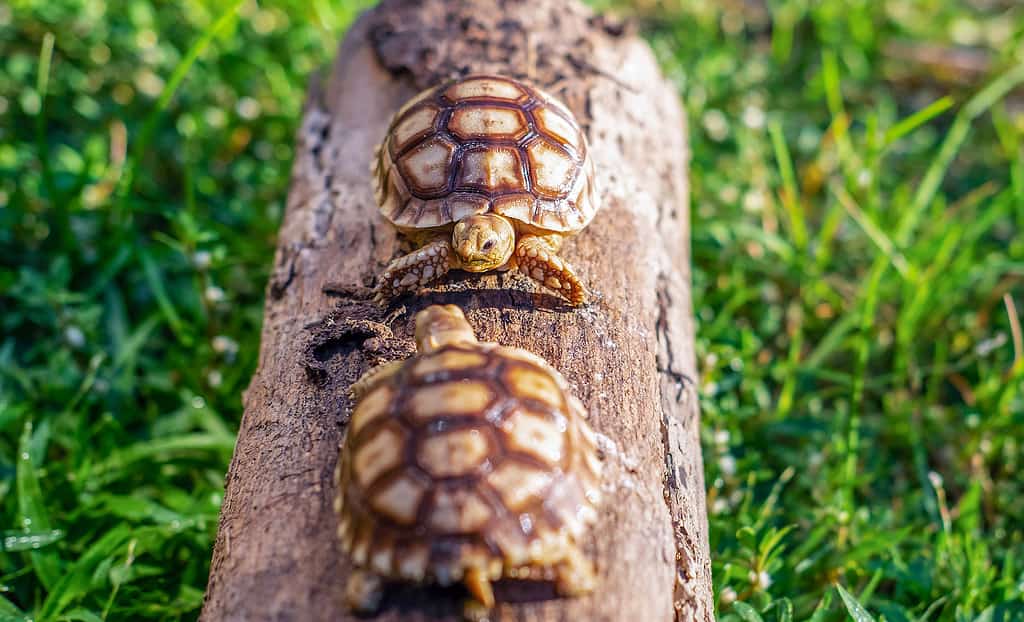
<point x="413" y="127"/>
<point x="458" y="511"/>
<point x="552" y="171"/>
<point x="373" y="405"/>
<point x="485" y="88"/>
<point x="467" y="463"/>
<point x="484" y="145"/>
<point x="450" y="360"/>
<point x="399" y="499"/>
<point x="486" y="121"/>
<point x="555" y="124"/>
<point x="535" y="384"/>
<point x="453" y="453"/>
<point x="449" y="398"/>
<point x="535" y="435"/>
<point x="491" y="169"/>
<point x="378" y="453"/>
<point x="426" y="168"/>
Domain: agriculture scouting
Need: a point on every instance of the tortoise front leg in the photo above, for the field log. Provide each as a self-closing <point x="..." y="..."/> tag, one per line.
<point x="409" y="272"/>
<point x="537" y="257"/>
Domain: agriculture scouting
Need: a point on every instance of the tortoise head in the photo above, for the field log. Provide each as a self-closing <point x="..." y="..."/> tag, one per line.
<point x="483" y="241"/>
<point x="441" y="325"/>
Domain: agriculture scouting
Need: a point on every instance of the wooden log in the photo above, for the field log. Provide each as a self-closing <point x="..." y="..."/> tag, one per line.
<point x="629" y="355"/>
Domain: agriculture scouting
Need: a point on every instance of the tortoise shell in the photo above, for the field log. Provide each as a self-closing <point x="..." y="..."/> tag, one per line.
<point x="485" y="144"/>
<point x="471" y="456"/>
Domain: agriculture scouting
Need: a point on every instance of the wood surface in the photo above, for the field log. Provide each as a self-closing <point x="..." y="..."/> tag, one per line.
<point x="629" y="355"/>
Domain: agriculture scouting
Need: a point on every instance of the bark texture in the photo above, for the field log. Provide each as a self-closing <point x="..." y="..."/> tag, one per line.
<point x="629" y="355"/>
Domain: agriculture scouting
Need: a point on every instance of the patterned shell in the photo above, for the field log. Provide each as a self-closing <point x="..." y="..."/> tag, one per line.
<point x="472" y="456"/>
<point x="485" y="144"/>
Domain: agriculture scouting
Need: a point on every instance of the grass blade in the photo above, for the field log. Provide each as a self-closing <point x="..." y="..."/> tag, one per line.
<point x="42" y="86"/>
<point x="9" y="612"/>
<point x="857" y="611"/>
<point x="933" y="177"/>
<point x="122" y="458"/>
<point x="748" y="613"/>
<point x="156" y="283"/>
<point x="29" y="540"/>
<point x="874" y="232"/>
<point x="78" y="579"/>
<point x="32" y="510"/>
<point x="917" y="119"/>
<point x="840" y="120"/>
<point x="791" y="195"/>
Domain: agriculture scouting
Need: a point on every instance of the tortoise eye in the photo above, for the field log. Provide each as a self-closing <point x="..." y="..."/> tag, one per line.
<point x="488" y="245"/>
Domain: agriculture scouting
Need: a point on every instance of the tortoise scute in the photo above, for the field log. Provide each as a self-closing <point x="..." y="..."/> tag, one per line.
<point x="428" y="166"/>
<point x="379" y="453"/>
<point x="413" y="127"/>
<point x="519" y="484"/>
<point x="373" y="405"/>
<point x="558" y="127"/>
<point x="485" y="88"/>
<point x="486" y="121"/>
<point x="399" y="499"/>
<point x="447" y="361"/>
<point x="462" y="205"/>
<point x="491" y="169"/>
<point x="520" y="206"/>
<point x="458" y="511"/>
<point x="568" y="501"/>
<point x="450" y="398"/>
<point x="534" y="384"/>
<point x="449" y="454"/>
<point x="535" y="435"/>
<point x="551" y="167"/>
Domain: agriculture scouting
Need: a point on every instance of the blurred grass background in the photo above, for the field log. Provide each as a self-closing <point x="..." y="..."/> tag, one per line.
<point x="858" y="200"/>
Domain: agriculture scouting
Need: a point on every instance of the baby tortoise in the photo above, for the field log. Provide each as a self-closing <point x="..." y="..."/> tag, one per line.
<point x="469" y="462"/>
<point x="484" y="173"/>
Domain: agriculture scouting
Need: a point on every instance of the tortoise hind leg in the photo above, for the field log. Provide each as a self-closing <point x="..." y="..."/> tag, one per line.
<point x="575" y="574"/>
<point x="478" y="608"/>
<point x="537" y="257"/>
<point x="409" y="272"/>
<point x="364" y="591"/>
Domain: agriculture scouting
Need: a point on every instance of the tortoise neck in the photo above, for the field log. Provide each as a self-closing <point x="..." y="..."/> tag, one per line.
<point x="439" y="326"/>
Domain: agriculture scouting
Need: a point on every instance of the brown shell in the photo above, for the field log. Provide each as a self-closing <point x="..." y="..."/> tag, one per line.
<point x="485" y="144"/>
<point x="473" y="456"/>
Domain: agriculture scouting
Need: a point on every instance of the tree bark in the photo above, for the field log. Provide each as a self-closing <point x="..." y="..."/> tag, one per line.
<point x="629" y="355"/>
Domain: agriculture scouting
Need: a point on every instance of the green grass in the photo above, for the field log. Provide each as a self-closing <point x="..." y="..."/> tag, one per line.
<point x="857" y="256"/>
